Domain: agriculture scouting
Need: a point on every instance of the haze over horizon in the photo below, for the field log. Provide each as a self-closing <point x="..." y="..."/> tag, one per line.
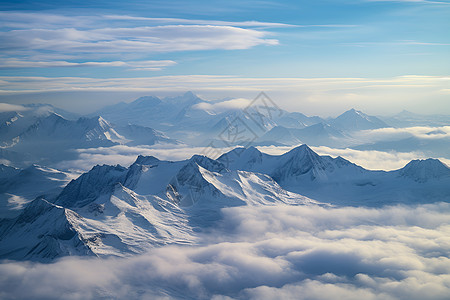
<point x="319" y="58"/>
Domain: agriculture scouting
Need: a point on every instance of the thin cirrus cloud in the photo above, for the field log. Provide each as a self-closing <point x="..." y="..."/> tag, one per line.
<point x="199" y="22"/>
<point x="412" y="1"/>
<point x="48" y="20"/>
<point x="28" y="35"/>
<point x="137" y="65"/>
<point x="396" y="43"/>
<point x="216" y="82"/>
<point x="169" y="38"/>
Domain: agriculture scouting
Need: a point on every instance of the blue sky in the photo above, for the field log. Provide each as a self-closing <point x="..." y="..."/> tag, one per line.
<point x="212" y="47"/>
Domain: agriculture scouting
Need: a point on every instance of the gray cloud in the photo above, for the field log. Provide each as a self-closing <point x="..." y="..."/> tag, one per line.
<point x="268" y="253"/>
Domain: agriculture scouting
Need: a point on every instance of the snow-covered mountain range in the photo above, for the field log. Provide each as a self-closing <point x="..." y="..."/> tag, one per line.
<point x="47" y="212"/>
<point x="53" y="138"/>
<point x="45" y="135"/>
<point x="118" y="211"/>
<point x="19" y="187"/>
<point x="112" y="210"/>
<point x="338" y="181"/>
<point x="185" y="118"/>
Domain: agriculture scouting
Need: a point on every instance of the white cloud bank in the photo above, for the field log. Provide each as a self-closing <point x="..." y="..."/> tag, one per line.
<point x="218" y="107"/>
<point x="392" y="134"/>
<point x="5" y="107"/>
<point x="126" y="155"/>
<point x="278" y="252"/>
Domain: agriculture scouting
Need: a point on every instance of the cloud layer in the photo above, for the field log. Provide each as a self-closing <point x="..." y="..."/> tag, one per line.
<point x="268" y="253"/>
<point x="324" y="96"/>
<point x="55" y="40"/>
<point x="126" y="155"/>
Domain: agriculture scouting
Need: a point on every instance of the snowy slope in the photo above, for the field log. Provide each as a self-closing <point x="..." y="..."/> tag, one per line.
<point x="353" y="120"/>
<point x="320" y="134"/>
<point x="53" y="138"/>
<point x="338" y="181"/>
<point x="84" y="132"/>
<point x="297" y="120"/>
<point x="299" y="162"/>
<point x="149" y="111"/>
<point x="43" y="231"/>
<point x="8" y="171"/>
<point x="118" y="211"/>
<point x="23" y="186"/>
<point x="13" y="123"/>
<point x="424" y="170"/>
<point x="141" y="135"/>
<point x="279" y="134"/>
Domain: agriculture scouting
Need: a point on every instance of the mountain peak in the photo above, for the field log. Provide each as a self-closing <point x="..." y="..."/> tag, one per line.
<point x="357" y="120"/>
<point x="208" y="163"/>
<point x="422" y="170"/>
<point x="301" y="150"/>
<point x="93" y="121"/>
<point x="98" y="181"/>
<point x="54" y="117"/>
<point x="353" y="112"/>
<point x="146" y="101"/>
<point x="146" y="160"/>
<point x="241" y="157"/>
<point x="300" y="161"/>
<point x="252" y="151"/>
<point x="189" y="94"/>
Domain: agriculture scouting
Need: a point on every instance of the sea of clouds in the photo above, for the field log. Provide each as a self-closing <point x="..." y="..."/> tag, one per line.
<point x="271" y="252"/>
<point x="126" y="155"/>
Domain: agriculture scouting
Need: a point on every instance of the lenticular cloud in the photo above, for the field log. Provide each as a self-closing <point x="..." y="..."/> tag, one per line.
<point x="277" y="252"/>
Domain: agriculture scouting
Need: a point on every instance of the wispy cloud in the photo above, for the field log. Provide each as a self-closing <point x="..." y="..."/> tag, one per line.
<point x="413" y="1"/>
<point x="147" y="65"/>
<point x="198" y="22"/>
<point x="390" y="134"/>
<point x="396" y="43"/>
<point x="233" y="104"/>
<point x="39" y="84"/>
<point x="5" y="107"/>
<point x="25" y="36"/>
<point x="168" y="38"/>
